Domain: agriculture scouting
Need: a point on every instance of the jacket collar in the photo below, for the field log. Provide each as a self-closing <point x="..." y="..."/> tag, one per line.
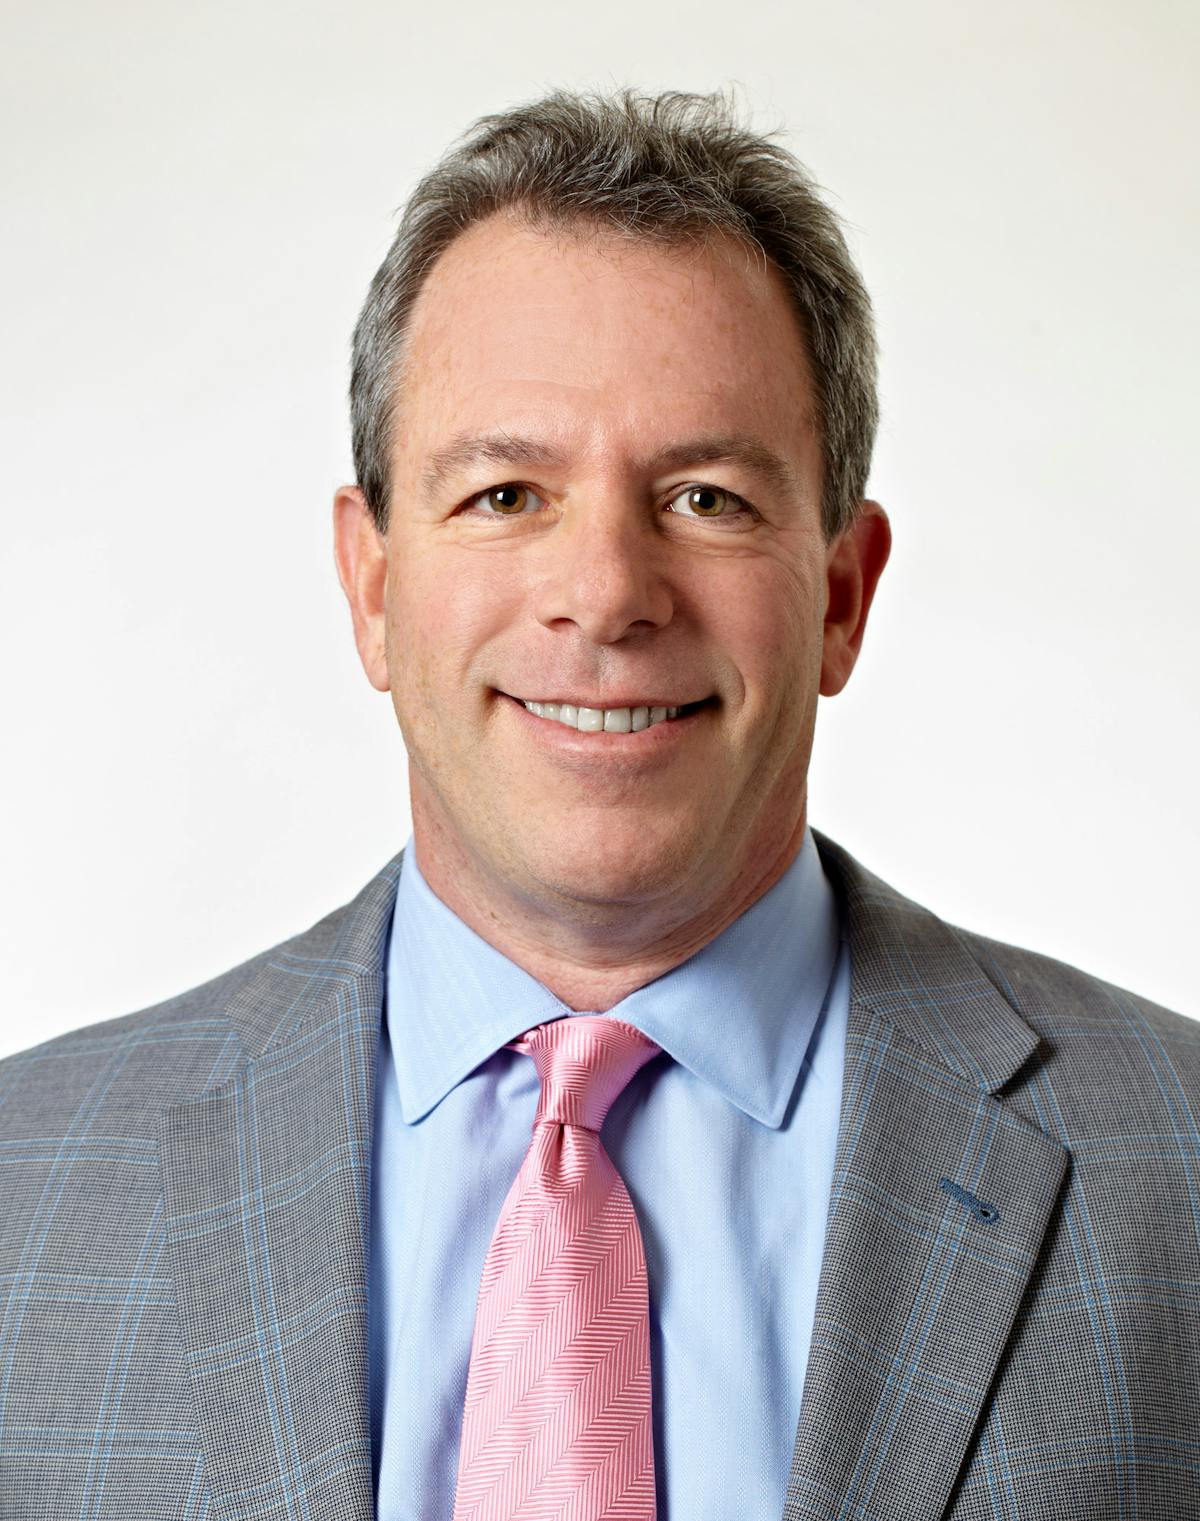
<point x="914" y="971"/>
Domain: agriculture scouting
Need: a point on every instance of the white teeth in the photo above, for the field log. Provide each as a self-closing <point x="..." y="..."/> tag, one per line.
<point x="602" y="720"/>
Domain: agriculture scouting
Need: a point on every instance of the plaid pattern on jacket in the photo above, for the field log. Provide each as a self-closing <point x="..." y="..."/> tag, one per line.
<point x="1007" y="1323"/>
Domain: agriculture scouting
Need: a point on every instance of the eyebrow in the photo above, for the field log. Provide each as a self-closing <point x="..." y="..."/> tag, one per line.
<point x="502" y="448"/>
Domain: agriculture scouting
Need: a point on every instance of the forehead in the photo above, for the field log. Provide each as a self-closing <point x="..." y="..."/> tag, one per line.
<point x="588" y="336"/>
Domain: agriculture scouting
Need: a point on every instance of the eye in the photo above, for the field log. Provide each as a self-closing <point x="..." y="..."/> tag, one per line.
<point x="508" y="501"/>
<point x="709" y="502"/>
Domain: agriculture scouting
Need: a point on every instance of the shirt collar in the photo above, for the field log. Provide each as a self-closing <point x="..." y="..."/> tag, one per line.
<point x="739" y="1014"/>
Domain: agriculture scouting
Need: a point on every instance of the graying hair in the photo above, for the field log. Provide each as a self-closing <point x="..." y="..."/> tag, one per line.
<point x="670" y="169"/>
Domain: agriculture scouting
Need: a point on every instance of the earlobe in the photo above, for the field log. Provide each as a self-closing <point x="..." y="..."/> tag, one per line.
<point x="853" y="567"/>
<point x="360" y="554"/>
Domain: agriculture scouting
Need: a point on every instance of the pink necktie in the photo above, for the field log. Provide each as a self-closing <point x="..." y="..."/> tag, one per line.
<point x="556" y="1425"/>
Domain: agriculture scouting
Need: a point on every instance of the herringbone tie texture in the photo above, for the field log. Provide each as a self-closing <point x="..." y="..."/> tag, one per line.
<point x="556" y="1425"/>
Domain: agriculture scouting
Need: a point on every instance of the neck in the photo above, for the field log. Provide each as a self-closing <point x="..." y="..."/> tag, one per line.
<point x="590" y="956"/>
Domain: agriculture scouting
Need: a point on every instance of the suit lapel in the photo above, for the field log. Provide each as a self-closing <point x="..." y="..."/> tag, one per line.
<point x="941" y="1197"/>
<point x="266" y="1181"/>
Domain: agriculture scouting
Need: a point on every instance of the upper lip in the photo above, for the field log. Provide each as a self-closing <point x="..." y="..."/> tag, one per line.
<point x="640" y="701"/>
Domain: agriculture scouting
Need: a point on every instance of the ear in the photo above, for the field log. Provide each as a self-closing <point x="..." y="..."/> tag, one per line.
<point x="360" y="552"/>
<point x="853" y="565"/>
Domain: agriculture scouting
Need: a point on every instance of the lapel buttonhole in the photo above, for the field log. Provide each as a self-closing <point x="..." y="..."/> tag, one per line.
<point x="987" y="1214"/>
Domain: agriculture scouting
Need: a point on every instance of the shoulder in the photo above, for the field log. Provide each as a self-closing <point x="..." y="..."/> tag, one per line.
<point x="953" y="990"/>
<point x="1074" y="1001"/>
<point x="140" y="1061"/>
<point x="1124" y="1055"/>
<point x="116" y="1076"/>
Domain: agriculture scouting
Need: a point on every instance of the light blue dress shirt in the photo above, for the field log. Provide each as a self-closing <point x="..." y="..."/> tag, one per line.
<point x="726" y="1145"/>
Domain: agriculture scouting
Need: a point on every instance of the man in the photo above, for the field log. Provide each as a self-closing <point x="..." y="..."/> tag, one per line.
<point x="808" y="1204"/>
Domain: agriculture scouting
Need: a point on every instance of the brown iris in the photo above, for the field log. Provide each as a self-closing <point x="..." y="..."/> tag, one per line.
<point x="510" y="506"/>
<point x="705" y="501"/>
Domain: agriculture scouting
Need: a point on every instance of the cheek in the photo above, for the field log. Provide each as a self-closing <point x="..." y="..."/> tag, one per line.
<point x="773" y="618"/>
<point x="444" y="609"/>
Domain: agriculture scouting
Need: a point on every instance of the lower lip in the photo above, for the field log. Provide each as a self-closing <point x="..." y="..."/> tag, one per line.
<point x="654" y="740"/>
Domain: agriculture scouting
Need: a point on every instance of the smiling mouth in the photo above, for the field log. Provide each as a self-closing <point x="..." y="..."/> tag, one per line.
<point x="631" y="720"/>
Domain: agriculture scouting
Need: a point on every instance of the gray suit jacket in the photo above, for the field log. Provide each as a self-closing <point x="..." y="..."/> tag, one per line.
<point x="1007" y="1322"/>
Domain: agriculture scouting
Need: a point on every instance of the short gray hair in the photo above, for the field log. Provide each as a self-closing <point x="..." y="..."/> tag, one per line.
<point x="670" y="169"/>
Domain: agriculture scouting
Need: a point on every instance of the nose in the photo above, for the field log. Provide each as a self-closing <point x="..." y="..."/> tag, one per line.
<point x="604" y="573"/>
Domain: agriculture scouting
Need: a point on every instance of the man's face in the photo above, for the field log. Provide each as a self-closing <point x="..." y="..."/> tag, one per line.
<point x="604" y="564"/>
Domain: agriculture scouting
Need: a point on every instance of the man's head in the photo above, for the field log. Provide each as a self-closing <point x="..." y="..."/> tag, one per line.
<point x="673" y="170"/>
<point x="610" y="455"/>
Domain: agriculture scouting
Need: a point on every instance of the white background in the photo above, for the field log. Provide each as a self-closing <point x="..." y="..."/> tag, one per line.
<point x="195" y="766"/>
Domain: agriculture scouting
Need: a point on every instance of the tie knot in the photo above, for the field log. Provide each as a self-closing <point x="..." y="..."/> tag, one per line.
<point x="583" y="1063"/>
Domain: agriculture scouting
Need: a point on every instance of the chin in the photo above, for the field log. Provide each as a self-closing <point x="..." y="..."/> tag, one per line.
<point x="620" y="864"/>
